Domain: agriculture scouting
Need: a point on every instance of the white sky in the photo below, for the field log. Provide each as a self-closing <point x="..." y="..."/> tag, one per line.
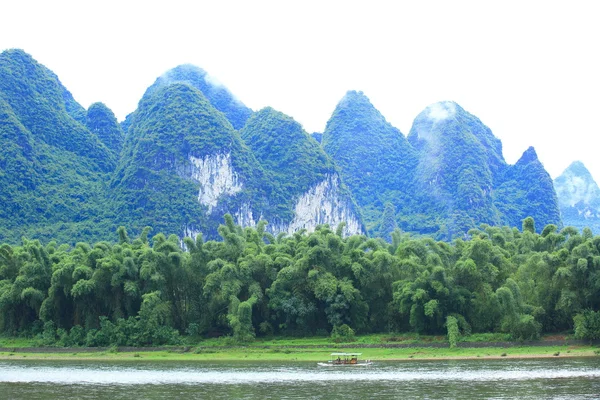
<point x="528" y="69"/>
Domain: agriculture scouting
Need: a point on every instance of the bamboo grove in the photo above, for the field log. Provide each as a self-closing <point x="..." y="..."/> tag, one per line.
<point x="152" y="291"/>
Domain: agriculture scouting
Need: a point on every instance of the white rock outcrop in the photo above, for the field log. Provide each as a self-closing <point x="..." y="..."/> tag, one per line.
<point x="324" y="204"/>
<point x="244" y="216"/>
<point x="216" y="177"/>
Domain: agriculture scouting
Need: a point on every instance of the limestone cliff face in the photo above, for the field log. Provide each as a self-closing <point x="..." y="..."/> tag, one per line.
<point x="325" y="204"/>
<point x="244" y="216"/>
<point x="216" y="177"/>
<point x="218" y="182"/>
<point x="183" y="166"/>
<point x="304" y="189"/>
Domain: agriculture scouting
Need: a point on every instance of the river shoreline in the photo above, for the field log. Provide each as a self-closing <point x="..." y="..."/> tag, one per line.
<point x="303" y="353"/>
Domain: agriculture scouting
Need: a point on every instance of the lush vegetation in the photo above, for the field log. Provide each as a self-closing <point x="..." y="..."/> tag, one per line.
<point x="42" y="104"/>
<point x="101" y="121"/>
<point x="375" y="159"/>
<point x="293" y="161"/>
<point x="463" y="180"/>
<point x="527" y="190"/>
<point x="151" y="291"/>
<point x="154" y="181"/>
<point x="54" y="172"/>
<point x="72" y="175"/>
<point x="446" y="177"/>
<point x="458" y="161"/>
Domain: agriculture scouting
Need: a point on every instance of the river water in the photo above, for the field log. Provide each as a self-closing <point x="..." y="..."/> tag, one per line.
<point x="576" y="378"/>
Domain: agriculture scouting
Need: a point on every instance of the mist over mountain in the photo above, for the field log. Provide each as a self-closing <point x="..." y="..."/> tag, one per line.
<point x="459" y="162"/>
<point x="192" y="152"/>
<point x="463" y="176"/>
<point x="578" y="197"/>
<point x="218" y="95"/>
<point x="446" y="177"/>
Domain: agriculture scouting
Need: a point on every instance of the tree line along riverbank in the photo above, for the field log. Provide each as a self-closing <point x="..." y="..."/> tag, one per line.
<point x="251" y="285"/>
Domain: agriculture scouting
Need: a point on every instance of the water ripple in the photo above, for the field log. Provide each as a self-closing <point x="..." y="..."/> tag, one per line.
<point x="104" y="374"/>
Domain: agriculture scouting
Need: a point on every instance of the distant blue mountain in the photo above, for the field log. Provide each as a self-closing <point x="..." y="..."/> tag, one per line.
<point x="578" y="197"/>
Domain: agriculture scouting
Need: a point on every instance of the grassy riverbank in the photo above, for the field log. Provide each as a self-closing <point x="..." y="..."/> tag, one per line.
<point x="374" y="347"/>
<point x="253" y="354"/>
<point x="291" y="353"/>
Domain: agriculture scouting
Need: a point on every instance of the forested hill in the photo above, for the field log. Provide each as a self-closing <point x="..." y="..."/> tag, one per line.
<point x="183" y="162"/>
<point x="192" y="152"/>
<point x="464" y="178"/>
<point x="375" y="159"/>
<point x="54" y="171"/>
<point x="307" y="187"/>
<point x="446" y="177"/>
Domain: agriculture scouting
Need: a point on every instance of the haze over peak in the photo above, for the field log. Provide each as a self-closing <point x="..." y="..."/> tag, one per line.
<point x="579" y="197"/>
<point x="441" y="110"/>
<point x="216" y="92"/>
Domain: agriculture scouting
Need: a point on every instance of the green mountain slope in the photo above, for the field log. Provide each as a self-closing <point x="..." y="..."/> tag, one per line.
<point x="53" y="170"/>
<point x="183" y="166"/>
<point x="298" y="168"/>
<point x="375" y="159"/>
<point x="578" y="197"/>
<point x="527" y="191"/>
<point x="464" y="177"/>
<point x="101" y="121"/>
<point x="446" y="177"/>
<point x="38" y="99"/>
<point x="18" y="166"/>
<point x="193" y="152"/>
<point x="457" y="155"/>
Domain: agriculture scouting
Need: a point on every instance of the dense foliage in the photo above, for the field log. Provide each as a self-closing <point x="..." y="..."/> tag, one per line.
<point x="154" y="181"/>
<point x="42" y="105"/>
<point x="53" y="170"/>
<point x="292" y="160"/>
<point x="101" y="121"/>
<point x="459" y="159"/>
<point x="526" y="189"/>
<point x="73" y="175"/>
<point x="142" y="292"/>
<point x="446" y="177"/>
<point x="464" y="181"/>
<point x="375" y="159"/>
